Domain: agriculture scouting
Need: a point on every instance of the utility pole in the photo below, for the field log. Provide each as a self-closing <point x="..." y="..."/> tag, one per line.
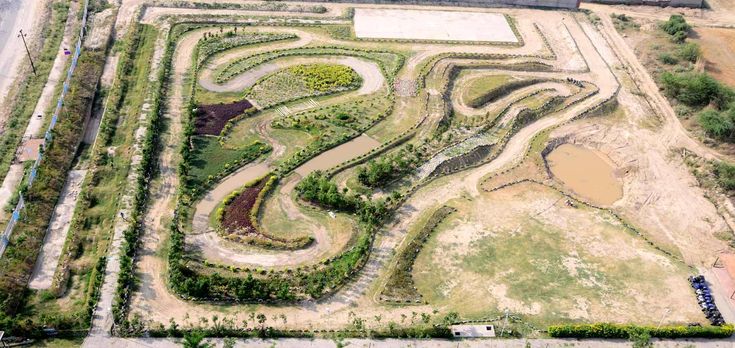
<point x="23" y="36"/>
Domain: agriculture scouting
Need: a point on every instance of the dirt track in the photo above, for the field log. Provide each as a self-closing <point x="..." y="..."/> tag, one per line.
<point x="158" y="304"/>
<point x="372" y="77"/>
<point x="154" y="301"/>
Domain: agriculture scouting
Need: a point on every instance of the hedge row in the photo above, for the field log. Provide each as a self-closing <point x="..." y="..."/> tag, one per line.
<point x="400" y="286"/>
<point x="238" y="66"/>
<point x="143" y="175"/>
<point x="267" y="6"/>
<point x="623" y="331"/>
<point x="17" y="263"/>
<point x="104" y="136"/>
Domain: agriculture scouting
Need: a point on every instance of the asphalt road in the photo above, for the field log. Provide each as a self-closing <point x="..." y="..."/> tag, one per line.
<point x="14" y="15"/>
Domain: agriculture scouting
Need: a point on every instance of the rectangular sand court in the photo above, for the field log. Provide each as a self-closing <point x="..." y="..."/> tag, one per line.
<point x="432" y="25"/>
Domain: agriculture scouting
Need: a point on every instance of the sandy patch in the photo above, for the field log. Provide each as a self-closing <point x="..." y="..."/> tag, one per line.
<point x="432" y="25"/>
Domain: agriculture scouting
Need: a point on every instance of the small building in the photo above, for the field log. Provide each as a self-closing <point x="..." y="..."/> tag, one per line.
<point x="472" y="331"/>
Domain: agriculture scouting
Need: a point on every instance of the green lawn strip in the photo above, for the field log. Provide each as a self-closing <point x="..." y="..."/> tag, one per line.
<point x="477" y="87"/>
<point x="296" y="83"/>
<point x="210" y="159"/>
<point x="30" y="89"/>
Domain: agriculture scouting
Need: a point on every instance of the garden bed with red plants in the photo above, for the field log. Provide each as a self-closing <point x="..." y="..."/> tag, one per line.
<point x="211" y="119"/>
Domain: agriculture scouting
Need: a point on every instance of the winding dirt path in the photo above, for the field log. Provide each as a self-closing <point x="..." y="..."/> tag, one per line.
<point x="157" y="303"/>
<point x="559" y="88"/>
<point x="372" y="77"/>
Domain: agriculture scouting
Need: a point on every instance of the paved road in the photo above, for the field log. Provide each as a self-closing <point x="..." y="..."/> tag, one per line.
<point x="14" y="15"/>
<point x="401" y="343"/>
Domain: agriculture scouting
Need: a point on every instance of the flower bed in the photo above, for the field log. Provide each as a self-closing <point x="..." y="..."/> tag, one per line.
<point x="303" y="81"/>
<point x="211" y="119"/>
<point x="238" y="218"/>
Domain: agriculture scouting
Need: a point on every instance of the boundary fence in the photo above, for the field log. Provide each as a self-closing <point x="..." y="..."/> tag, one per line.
<point x="48" y="137"/>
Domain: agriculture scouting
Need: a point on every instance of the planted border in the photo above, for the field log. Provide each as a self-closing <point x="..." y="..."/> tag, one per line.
<point x="400" y="288"/>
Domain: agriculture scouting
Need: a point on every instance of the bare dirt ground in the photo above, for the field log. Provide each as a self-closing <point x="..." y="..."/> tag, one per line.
<point x="718" y="49"/>
<point x="432" y="25"/>
<point x="524" y="249"/>
<point x="53" y="242"/>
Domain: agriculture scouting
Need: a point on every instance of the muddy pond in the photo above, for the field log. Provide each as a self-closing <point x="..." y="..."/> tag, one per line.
<point x="347" y="151"/>
<point x="588" y="173"/>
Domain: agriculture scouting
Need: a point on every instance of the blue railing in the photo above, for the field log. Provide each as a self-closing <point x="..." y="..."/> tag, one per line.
<point x="18" y="211"/>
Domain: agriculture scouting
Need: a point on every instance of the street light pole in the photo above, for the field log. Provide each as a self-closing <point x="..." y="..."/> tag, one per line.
<point x="23" y="36"/>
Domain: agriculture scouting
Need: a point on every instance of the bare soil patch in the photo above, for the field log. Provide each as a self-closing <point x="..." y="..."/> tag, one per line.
<point x="522" y="248"/>
<point x="718" y="49"/>
<point x="211" y="119"/>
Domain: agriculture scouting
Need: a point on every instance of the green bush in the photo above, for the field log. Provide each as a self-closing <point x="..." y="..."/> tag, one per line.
<point x="380" y="172"/>
<point x="719" y="125"/>
<point x="689" y="52"/>
<point x="325" y="77"/>
<point x="667" y="58"/>
<point x="677" y="27"/>
<point x="624" y="331"/>
<point x="696" y="89"/>
<point x="725" y="173"/>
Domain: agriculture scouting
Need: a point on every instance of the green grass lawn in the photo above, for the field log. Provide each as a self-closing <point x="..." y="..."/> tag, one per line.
<point x="477" y="87"/>
<point x="211" y="158"/>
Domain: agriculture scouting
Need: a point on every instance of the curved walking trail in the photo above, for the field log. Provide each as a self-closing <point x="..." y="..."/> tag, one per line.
<point x="155" y="301"/>
<point x="372" y="77"/>
<point x="207" y="241"/>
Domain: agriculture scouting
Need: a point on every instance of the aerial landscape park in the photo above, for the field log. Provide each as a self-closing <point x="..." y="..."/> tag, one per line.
<point x="520" y="173"/>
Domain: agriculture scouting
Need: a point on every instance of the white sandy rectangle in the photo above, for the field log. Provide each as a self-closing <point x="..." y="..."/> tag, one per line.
<point x="432" y="25"/>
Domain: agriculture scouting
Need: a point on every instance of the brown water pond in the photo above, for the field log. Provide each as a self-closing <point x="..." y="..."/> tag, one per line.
<point x="588" y="173"/>
<point x="347" y="151"/>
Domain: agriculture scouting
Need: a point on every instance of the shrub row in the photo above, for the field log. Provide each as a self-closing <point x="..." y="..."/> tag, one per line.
<point x="143" y="174"/>
<point x="17" y="263"/>
<point x="400" y="286"/>
<point x="104" y="136"/>
<point x="267" y="6"/>
<point x="607" y="330"/>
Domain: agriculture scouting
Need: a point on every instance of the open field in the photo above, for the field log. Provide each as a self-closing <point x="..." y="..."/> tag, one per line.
<point x="522" y="249"/>
<point x="718" y="49"/>
<point x="356" y="170"/>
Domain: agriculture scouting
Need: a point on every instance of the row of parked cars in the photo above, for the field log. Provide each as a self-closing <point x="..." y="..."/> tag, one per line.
<point x="706" y="302"/>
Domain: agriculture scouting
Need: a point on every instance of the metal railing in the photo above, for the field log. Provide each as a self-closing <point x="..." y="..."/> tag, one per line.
<point x="48" y="137"/>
